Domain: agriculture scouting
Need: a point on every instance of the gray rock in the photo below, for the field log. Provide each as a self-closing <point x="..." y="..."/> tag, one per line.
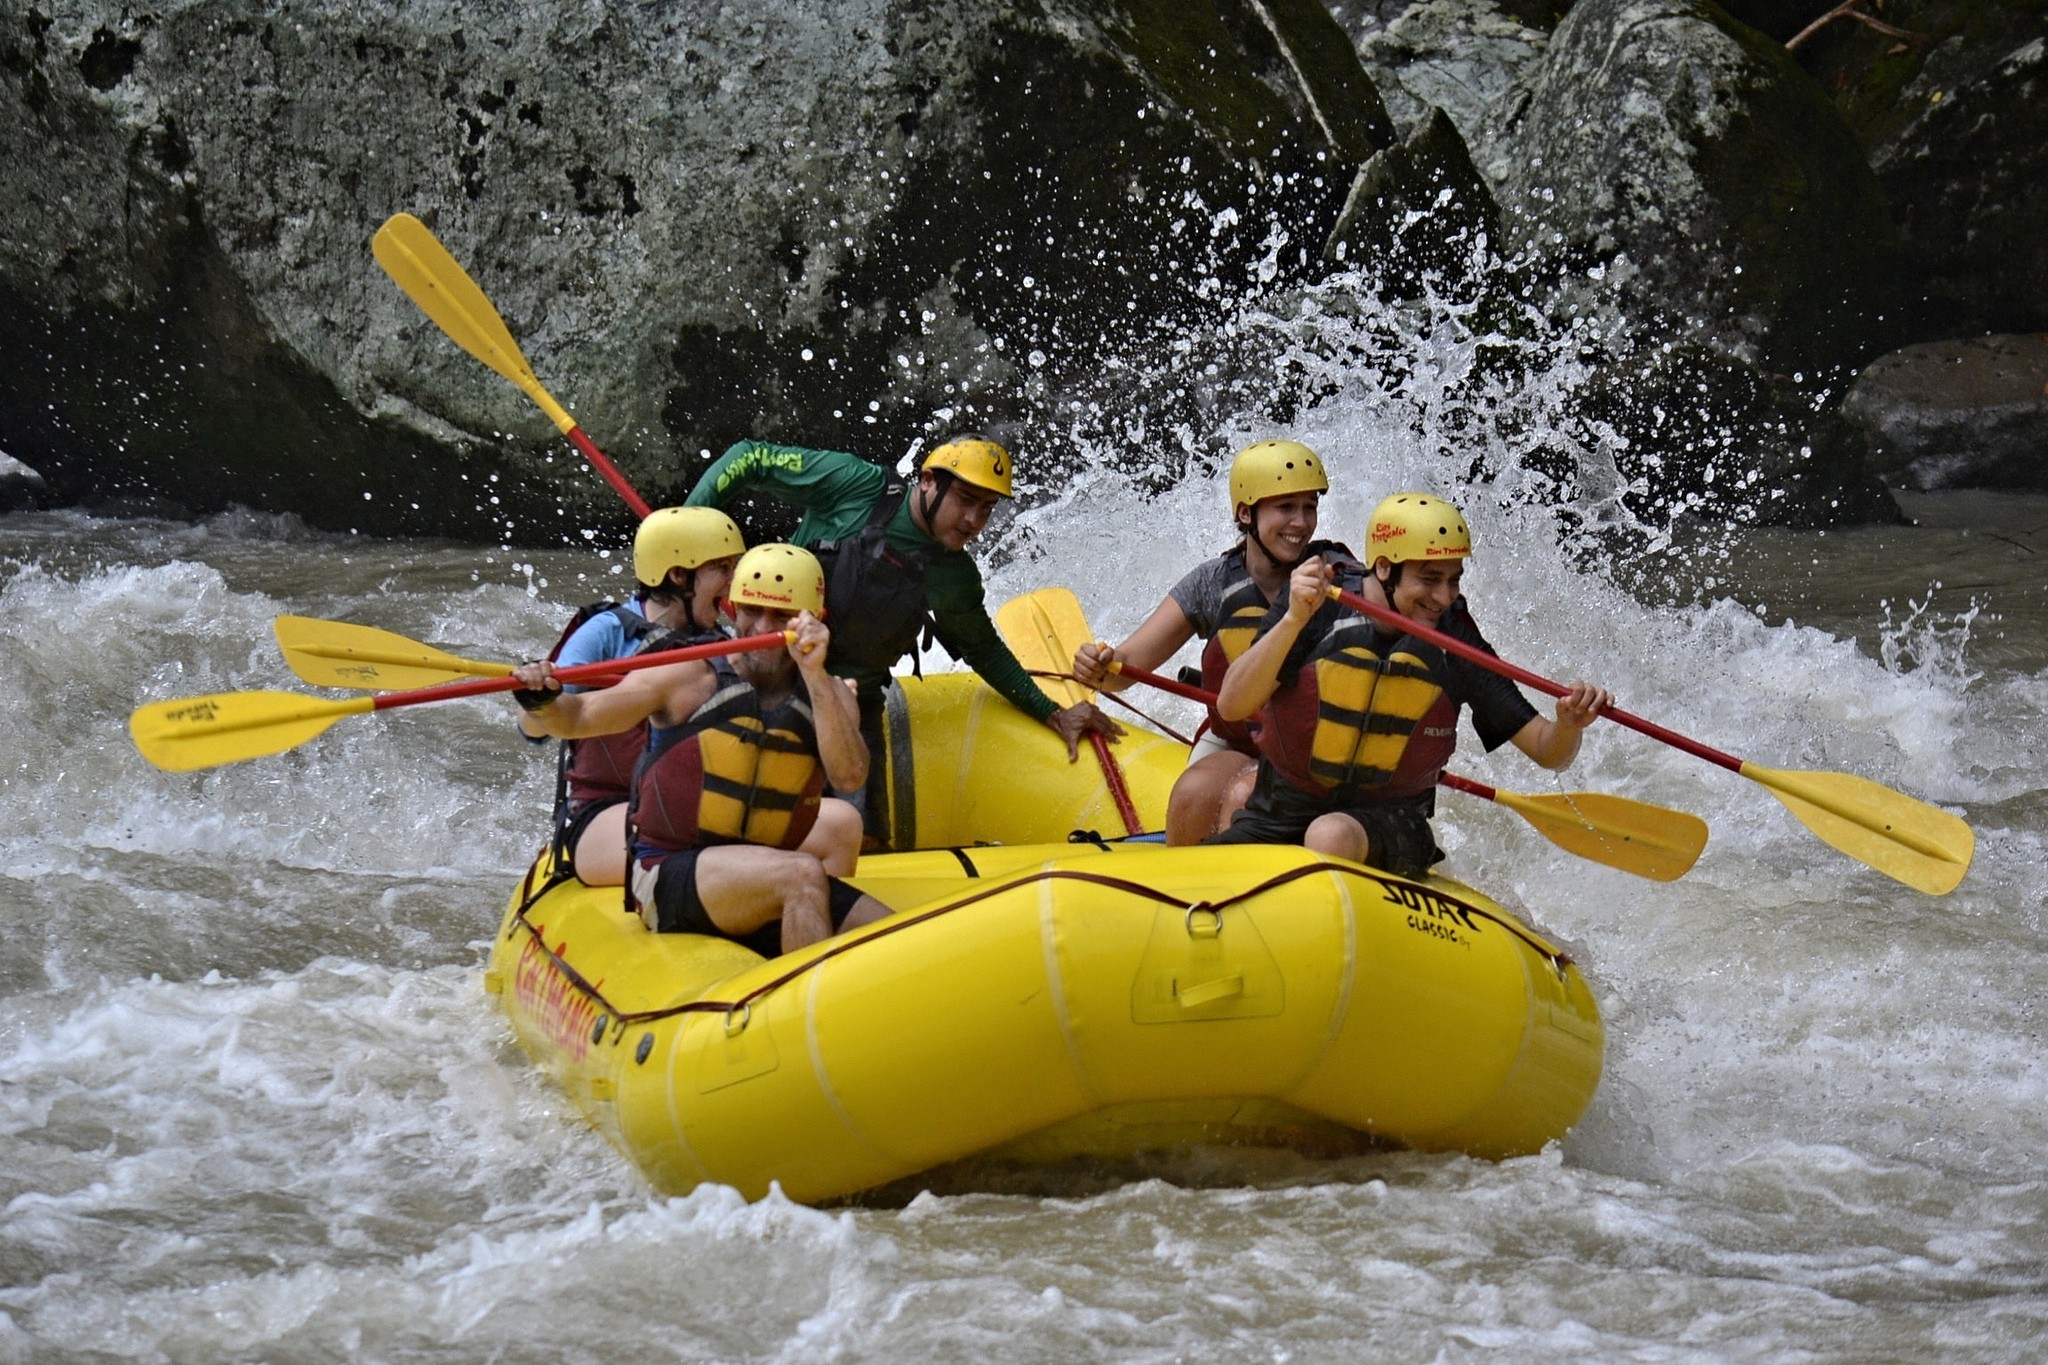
<point x="1460" y="56"/>
<point x="839" y="221"/>
<point x="1431" y="168"/>
<point x="1957" y="414"/>
<point x="1663" y="131"/>
<point x="20" y="487"/>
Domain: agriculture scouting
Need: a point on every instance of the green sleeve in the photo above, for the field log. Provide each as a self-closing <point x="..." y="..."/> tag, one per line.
<point x="952" y="588"/>
<point x="835" y="489"/>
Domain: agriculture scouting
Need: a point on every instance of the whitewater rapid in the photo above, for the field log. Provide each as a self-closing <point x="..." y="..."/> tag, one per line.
<point x="254" y="1103"/>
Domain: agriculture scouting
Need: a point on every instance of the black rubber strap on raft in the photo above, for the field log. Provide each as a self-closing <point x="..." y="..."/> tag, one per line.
<point x="902" y="781"/>
<point x="897" y="923"/>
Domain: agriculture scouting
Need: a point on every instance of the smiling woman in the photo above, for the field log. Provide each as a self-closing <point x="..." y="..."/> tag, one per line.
<point x="1276" y="488"/>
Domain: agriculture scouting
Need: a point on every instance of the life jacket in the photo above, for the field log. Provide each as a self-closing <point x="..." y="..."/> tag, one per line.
<point x="1366" y="719"/>
<point x="600" y="768"/>
<point x="874" y="592"/>
<point x="1244" y="607"/>
<point x="731" y="773"/>
<point x="1238" y="616"/>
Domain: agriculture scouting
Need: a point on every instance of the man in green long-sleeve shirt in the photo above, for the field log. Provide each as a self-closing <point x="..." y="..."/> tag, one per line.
<point x="896" y="558"/>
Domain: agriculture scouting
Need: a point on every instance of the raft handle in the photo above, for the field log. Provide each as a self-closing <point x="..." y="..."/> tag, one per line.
<point x="1209" y="992"/>
<point x="745" y="1010"/>
<point x="1215" y="926"/>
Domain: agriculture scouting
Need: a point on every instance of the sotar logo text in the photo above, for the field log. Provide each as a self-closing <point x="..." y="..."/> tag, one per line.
<point x="1429" y="903"/>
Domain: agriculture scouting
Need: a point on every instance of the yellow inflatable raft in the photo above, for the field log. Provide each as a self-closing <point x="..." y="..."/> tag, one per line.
<point x="1039" y="1001"/>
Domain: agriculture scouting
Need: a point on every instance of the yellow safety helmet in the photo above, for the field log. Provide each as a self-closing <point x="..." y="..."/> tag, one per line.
<point x="1269" y="469"/>
<point x="780" y="578"/>
<point x="682" y="538"/>
<point x="1416" y="526"/>
<point x="973" y="459"/>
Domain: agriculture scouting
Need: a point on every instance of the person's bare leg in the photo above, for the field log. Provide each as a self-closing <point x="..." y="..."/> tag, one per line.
<point x="744" y="886"/>
<point x="835" y="839"/>
<point x="1236" y="795"/>
<point x="1337" y="835"/>
<point x="866" y="910"/>
<point x="1194" y="809"/>
<point x="600" y="853"/>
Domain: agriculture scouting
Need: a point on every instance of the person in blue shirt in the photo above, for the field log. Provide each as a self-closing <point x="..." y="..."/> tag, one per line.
<point x="683" y="560"/>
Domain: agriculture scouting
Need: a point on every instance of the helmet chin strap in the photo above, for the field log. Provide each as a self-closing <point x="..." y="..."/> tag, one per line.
<point x="690" y="605"/>
<point x="1251" y="532"/>
<point x="942" y="481"/>
<point x="686" y="593"/>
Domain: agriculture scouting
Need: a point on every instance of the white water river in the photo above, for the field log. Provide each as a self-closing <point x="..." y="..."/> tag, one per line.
<point x="254" y="1104"/>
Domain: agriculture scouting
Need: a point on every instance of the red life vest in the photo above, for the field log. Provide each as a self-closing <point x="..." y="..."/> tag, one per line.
<point x="731" y="773"/>
<point x="1364" y="720"/>
<point x="1238" y="616"/>
<point x="600" y="768"/>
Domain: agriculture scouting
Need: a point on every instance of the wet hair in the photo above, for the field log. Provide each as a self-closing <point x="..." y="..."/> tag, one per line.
<point x="667" y="591"/>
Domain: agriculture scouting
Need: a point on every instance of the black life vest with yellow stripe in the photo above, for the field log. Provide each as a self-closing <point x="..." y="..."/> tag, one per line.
<point x="731" y="773"/>
<point x="1366" y="718"/>
<point x="875" y="591"/>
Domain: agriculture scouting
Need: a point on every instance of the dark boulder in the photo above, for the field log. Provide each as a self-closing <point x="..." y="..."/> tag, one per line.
<point x="1951" y="103"/>
<point x="1957" y="414"/>
<point x="1664" y="132"/>
<point x="841" y="224"/>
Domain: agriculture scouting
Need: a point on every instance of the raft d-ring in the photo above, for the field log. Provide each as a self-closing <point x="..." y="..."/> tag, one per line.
<point x="1212" y="929"/>
<point x="745" y="1011"/>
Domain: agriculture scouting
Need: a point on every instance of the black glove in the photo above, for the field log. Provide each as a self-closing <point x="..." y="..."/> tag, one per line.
<point x="534" y="698"/>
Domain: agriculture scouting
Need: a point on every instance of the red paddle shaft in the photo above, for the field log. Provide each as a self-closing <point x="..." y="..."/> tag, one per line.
<point x="1495" y="663"/>
<point x="606" y="669"/>
<point x="610" y="471"/>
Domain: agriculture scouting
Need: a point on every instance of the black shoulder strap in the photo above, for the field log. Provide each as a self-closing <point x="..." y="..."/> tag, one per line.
<point x="637" y="627"/>
<point x="879" y="515"/>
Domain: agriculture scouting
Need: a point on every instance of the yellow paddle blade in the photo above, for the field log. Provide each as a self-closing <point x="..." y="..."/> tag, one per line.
<point x="1043" y="629"/>
<point x="204" y="732"/>
<point x="1907" y="840"/>
<point x="415" y="259"/>
<point x="337" y="654"/>
<point x="1633" y="836"/>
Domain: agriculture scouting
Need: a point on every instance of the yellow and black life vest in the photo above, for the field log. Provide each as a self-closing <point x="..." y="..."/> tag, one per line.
<point x="731" y="773"/>
<point x="1364" y="718"/>
<point x="1243" y="609"/>
<point x="1238" y="616"/>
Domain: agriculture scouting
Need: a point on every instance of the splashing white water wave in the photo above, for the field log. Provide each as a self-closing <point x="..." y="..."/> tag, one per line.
<point x="254" y="1103"/>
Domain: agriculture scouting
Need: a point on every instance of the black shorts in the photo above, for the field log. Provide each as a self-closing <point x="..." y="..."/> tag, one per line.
<point x="1397" y="832"/>
<point x="678" y="910"/>
<point x="573" y="829"/>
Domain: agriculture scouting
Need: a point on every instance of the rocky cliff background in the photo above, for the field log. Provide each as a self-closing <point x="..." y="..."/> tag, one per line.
<point x="860" y="222"/>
